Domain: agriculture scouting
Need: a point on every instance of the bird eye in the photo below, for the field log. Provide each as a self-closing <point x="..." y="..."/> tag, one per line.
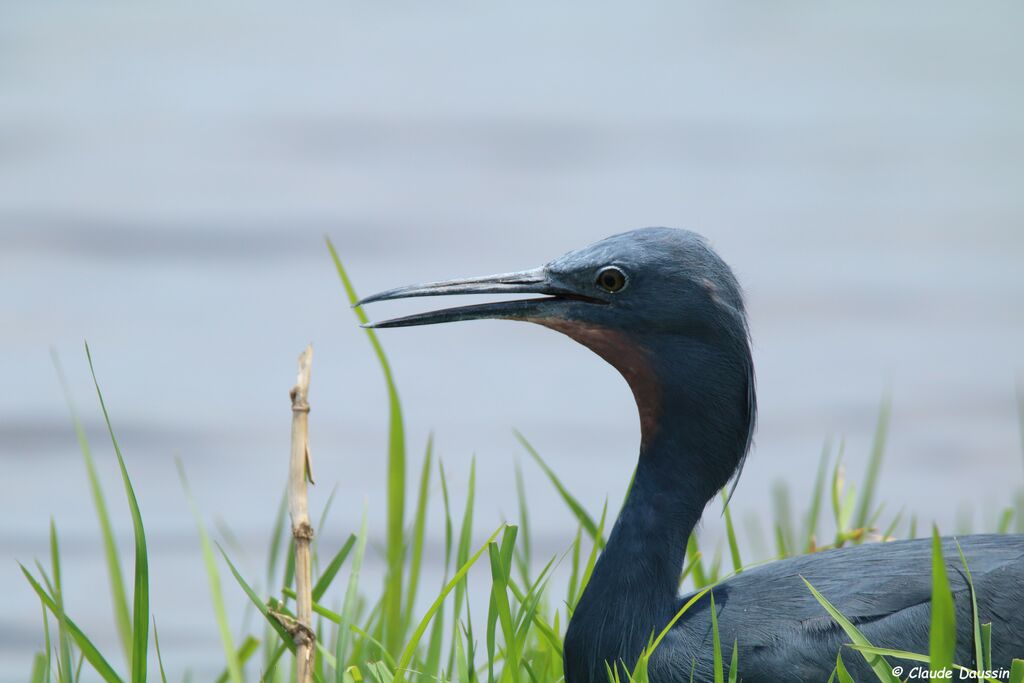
<point x="611" y="279"/>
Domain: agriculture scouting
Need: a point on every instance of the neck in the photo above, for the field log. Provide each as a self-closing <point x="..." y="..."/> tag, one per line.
<point x="687" y="455"/>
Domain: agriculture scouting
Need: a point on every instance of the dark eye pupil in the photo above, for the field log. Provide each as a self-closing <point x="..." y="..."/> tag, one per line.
<point x="611" y="279"/>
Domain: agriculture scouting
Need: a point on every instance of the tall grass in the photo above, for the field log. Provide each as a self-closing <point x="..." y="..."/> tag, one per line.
<point x="379" y="634"/>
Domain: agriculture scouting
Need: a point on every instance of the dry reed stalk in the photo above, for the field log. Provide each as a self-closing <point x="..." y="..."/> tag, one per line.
<point x="299" y="474"/>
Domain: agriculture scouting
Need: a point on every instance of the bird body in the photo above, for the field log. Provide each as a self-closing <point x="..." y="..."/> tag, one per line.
<point x="783" y="633"/>
<point x="660" y="306"/>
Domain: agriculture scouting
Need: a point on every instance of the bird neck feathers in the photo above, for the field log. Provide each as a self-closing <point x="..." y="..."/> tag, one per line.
<point x="698" y="398"/>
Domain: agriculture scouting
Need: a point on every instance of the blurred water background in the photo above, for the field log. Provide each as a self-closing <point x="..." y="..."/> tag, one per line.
<point x="168" y="172"/>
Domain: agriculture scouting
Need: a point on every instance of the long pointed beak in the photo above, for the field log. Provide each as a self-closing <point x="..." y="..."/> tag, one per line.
<point x="537" y="281"/>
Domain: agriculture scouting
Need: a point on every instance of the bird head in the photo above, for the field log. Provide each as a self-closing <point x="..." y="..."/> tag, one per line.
<point x="654" y="303"/>
<point x="652" y="281"/>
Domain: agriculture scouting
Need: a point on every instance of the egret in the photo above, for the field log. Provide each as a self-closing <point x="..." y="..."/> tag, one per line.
<point x="664" y="309"/>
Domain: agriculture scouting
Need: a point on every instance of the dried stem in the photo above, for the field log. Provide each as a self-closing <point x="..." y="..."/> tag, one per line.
<point x="300" y="472"/>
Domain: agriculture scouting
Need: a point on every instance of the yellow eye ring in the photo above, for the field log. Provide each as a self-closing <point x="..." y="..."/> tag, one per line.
<point x="611" y="279"/>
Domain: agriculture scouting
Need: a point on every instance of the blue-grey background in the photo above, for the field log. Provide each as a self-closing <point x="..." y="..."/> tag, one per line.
<point x="168" y="172"/>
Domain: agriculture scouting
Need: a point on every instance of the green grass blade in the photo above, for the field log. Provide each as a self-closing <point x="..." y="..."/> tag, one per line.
<point x="118" y="594"/>
<point x="891" y="529"/>
<point x="979" y="650"/>
<point x="419" y="528"/>
<point x="574" y="505"/>
<point x="730" y="534"/>
<point x="417" y="634"/>
<point x="327" y="577"/>
<point x="322" y="522"/>
<point x="499" y="598"/>
<point x="434" y="643"/>
<point x="530" y="602"/>
<point x="380" y="673"/>
<point x="841" y="673"/>
<point x="1017" y="671"/>
<point x="714" y="573"/>
<point x="1005" y="520"/>
<point x="716" y="643"/>
<point x="646" y="655"/>
<point x="396" y="476"/>
<point x="289" y="564"/>
<point x="78" y="667"/>
<point x="574" y="573"/>
<point x="462" y="552"/>
<point x="690" y="566"/>
<point x="330" y="614"/>
<point x="448" y="526"/>
<point x="874" y="463"/>
<point x="38" y="674"/>
<point x="942" y="634"/>
<point x="437" y="630"/>
<point x="490" y="638"/>
<point x="696" y="561"/>
<point x="881" y="668"/>
<point x="140" y="611"/>
<point x="501" y="561"/>
<point x="348" y="607"/>
<point x="782" y="511"/>
<point x="814" y="511"/>
<point x="588" y="568"/>
<point x="46" y="638"/>
<point x="213" y="579"/>
<point x="470" y="644"/>
<point x="432" y="663"/>
<point x="836" y="486"/>
<point x="461" y="661"/>
<point x="888" y="652"/>
<point x="986" y="645"/>
<point x="85" y="646"/>
<point x="159" y="654"/>
<point x="261" y="606"/>
<point x="781" y="547"/>
<point x="276" y="539"/>
<point x="525" y="550"/>
<point x="63" y="641"/>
